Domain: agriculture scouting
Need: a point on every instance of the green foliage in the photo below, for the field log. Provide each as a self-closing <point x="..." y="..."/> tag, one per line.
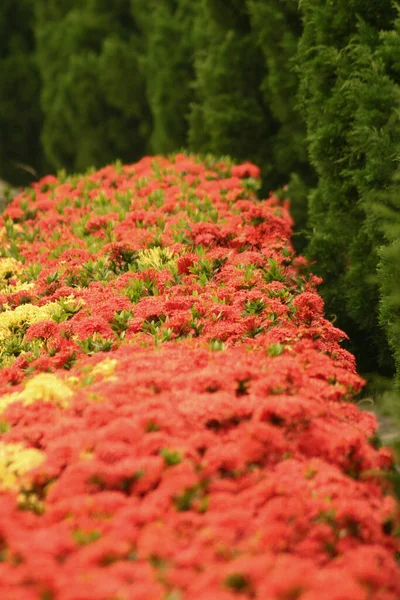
<point x="217" y="345"/>
<point x="297" y="191"/>
<point x="92" y="84"/>
<point x="389" y="268"/>
<point x="275" y="349"/>
<point x="276" y="29"/>
<point x="389" y="272"/>
<point x="171" y="457"/>
<point x="121" y="321"/>
<point x="238" y="582"/>
<point x="388" y="209"/>
<point x="254" y="307"/>
<point x="348" y="100"/>
<point x="228" y="114"/>
<point x="95" y="343"/>
<point x="20" y="114"/>
<point x="169" y="72"/>
<point x="84" y="538"/>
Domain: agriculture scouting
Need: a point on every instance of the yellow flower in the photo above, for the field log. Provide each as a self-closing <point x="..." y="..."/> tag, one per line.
<point x="15" y="462"/>
<point x="8" y="399"/>
<point x="106" y="368"/>
<point x="86" y="455"/>
<point x="73" y="381"/>
<point x="45" y="387"/>
<point x="26" y="314"/>
<point x="9" y="267"/>
<point x="155" y="258"/>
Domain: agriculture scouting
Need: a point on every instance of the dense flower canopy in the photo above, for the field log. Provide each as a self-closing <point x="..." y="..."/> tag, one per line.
<point x="176" y="417"/>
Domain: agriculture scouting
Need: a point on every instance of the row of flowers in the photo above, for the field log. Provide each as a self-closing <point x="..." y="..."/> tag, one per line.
<point x="176" y="413"/>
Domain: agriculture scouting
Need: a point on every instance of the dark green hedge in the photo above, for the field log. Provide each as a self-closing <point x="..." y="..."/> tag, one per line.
<point x="169" y="68"/>
<point x="349" y="102"/>
<point x="21" y="156"/>
<point x="93" y="86"/>
<point x="387" y="209"/>
<point x="245" y="87"/>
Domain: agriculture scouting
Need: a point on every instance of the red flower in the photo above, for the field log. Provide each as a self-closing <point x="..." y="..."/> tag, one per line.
<point x="186" y="261"/>
<point x="87" y="326"/>
<point x="212" y="452"/>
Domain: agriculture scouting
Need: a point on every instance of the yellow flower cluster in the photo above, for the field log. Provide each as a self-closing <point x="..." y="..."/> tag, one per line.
<point x="15" y="462"/>
<point x="155" y="258"/>
<point x="105" y="368"/>
<point x="26" y="314"/>
<point x="45" y="387"/>
<point x="9" y="267"/>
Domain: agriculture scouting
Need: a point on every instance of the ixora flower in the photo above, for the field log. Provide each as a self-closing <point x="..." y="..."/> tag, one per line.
<point x="14" y="321"/>
<point x="155" y="258"/>
<point x="15" y="462"/>
<point x="175" y="411"/>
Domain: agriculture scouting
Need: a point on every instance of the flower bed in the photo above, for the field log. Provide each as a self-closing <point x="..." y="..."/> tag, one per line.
<point x="176" y="417"/>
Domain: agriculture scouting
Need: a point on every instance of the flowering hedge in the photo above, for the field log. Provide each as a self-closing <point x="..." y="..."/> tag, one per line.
<point x="176" y="418"/>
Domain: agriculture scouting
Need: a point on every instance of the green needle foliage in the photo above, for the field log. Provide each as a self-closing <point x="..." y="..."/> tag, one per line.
<point x="20" y="113"/>
<point x="277" y="28"/>
<point x="348" y="100"/>
<point x="125" y="78"/>
<point x="389" y="269"/>
<point x="92" y="84"/>
<point x="228" y="114"/>
<point x="168" y="64"/>
<point x="388" y="209"/>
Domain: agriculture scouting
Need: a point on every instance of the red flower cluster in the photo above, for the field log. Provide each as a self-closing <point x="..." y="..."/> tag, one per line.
<point x="176" y="417"/>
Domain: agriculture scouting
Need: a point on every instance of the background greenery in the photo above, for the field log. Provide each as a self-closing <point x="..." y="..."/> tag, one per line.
<point x="307" y="89"/>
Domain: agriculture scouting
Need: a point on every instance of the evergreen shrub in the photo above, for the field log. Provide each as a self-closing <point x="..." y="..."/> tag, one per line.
<point x="348" y="100"/>
<point x="89" y="56"/>
<point x="20" y="113"/>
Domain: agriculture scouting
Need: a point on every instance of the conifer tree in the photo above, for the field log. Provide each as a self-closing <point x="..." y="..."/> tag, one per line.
<point x="277" y="28"/>
<point x="348" y="103"/>
<point x="169" y="72"/>
<point x="20" y="115"/>
<point x="389" y="277"/>
<point x="228" y="114"/>
<point x="387" y="208"/>
<point x="93" y="87"/>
